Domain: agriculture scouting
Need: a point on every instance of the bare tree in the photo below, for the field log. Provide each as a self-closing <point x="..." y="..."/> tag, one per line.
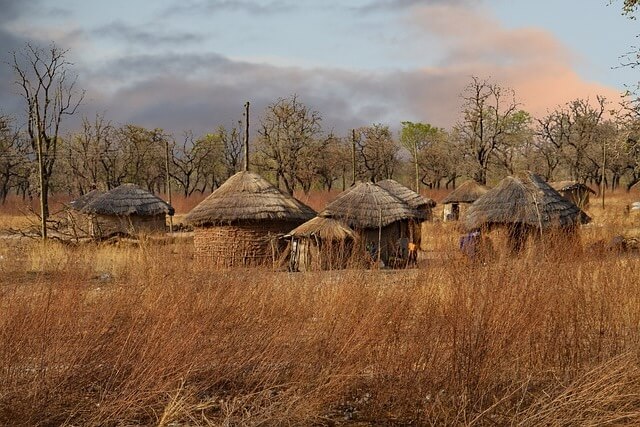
<point x="14" y="157"/>
<point x="377" y="151"/>
<point x="487" y="115"/>
<point x="194" y="160"/>
<point x="571" y="137"/>
<point x="286" y="136"/>
<point x="232" y="148"/>
<point x="50" y="94"/>
<point x="85" y="153"/>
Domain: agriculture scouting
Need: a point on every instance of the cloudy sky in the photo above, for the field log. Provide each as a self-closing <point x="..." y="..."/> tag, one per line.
<point x="191" y="64"/>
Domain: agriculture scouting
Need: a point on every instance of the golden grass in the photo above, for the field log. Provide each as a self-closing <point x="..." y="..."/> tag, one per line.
<point x="129" y="335"/>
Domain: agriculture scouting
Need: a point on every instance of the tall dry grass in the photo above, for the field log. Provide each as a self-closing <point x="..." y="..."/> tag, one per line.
<point x="130" y="335"/>
<point x="100" y="335"/>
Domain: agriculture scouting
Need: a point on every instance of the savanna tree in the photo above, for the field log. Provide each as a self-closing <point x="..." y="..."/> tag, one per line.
<point x="50" y="94"/>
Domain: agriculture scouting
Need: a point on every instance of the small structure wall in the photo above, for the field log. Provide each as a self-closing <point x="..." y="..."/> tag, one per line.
<point x="80" y="225"/>
<point x="454" y="211"/>
<point x="246" y="244"/>
<point x="103" y="226"/>
<point x="388" y="237"/>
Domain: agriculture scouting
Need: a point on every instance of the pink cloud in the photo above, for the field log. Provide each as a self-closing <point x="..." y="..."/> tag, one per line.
<point x="532" y="61"/>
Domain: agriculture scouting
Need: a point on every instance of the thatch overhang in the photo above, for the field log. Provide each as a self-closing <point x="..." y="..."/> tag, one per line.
<point x="325" y="229"/>
<point x="128" y="200"/>
<point x="367" y="205"/>
<point x="524" y="200"/>
<point x="410" y="197"/>
<point x="247" y="197"/>
<point x="570" y="186"/>
<point x="85" y="199"/>
<point x="468" y="192"/>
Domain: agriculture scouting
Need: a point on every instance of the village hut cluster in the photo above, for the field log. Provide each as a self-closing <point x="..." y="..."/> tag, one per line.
<point x="249" y="222"/>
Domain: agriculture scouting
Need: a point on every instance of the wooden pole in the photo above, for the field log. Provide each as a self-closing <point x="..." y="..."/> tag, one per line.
<point x="379" y="235"/>
<point x="246" y="137"/>
<point x="604" y="163"/>
<point x="43" y="191"/>
<point x="168" y="182"/>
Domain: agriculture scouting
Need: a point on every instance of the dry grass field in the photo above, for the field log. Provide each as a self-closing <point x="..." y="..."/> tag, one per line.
<point x="108" y="334"/>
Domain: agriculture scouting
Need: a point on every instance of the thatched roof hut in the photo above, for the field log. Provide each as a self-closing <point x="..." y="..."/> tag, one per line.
<point x="458" y="199"/>
<point x="241" y="221"/>
<point x="523" y="204"/>
<point x="573" y="191"/>
<point x="80" y="224"/>
<point x="127" y="209"/>
<point x="321" y="244"/>
<point x="379" y="217"/>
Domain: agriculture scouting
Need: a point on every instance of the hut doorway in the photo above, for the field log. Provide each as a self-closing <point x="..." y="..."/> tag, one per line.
<point x="452" y="212"/>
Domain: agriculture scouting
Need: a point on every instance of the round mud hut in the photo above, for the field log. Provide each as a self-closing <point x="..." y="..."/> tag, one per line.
<point x="126" y="210"/>
<point x="79" y="222"/>
<point x="380" y="219"/>
<point x="242" y="222"/>
<point x="321" y="244"/>
<point x="456" y="203"/>
<point x="573" y="191"/>
<point x="525" y="206"/>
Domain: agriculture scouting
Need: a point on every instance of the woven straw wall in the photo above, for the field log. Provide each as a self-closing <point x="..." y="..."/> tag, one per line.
<point x="250" y="244"/>
<point x="330" y="255"/>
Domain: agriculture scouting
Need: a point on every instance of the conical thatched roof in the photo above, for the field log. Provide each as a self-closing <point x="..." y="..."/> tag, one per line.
<point x="468" y="192"/>
<point x="126" y="200"/>
<point x="247" y="196"/>
<point x="367" y="205"/>
<point x="324" y="229"/>
<point x="85" y="199"/>
<point x="570" y="186"/>
<point x="405" y="194"/>
<point x="526" y="199"/>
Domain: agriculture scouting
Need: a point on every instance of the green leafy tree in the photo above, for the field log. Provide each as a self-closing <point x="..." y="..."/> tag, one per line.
<point x="416" y="137"/>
